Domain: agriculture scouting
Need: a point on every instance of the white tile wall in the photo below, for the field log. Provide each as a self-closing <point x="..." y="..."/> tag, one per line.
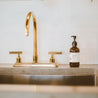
<point x="57" y="20"/>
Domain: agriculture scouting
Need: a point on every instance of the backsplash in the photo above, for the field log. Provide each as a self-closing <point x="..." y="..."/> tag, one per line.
<point x="57" y="20"/>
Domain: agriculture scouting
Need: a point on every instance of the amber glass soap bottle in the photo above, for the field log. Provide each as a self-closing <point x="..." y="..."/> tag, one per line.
<point x="74" y="54"/>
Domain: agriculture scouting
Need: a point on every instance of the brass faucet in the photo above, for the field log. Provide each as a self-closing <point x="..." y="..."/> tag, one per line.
<point x="35" y="62"/>
<point x="35" y="55"/>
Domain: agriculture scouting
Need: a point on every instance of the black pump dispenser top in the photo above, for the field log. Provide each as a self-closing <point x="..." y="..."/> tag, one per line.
<point x="74" y="43"/>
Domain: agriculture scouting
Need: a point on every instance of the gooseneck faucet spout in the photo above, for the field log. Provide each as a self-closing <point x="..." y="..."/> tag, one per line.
<point x="35" y="56"/>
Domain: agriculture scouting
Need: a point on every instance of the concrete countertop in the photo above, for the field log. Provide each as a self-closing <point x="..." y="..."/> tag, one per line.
<point x="63" y="69"/>
<point x="46" y="91"/>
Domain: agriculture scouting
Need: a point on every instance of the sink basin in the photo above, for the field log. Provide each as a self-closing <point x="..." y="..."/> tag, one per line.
<point x="48" y="80"/>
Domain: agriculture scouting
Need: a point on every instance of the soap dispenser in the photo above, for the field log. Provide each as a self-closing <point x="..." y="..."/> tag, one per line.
<point x="74" y="54"/>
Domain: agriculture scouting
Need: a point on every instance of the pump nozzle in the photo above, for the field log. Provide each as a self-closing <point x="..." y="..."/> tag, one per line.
<point x="74" y="37"/>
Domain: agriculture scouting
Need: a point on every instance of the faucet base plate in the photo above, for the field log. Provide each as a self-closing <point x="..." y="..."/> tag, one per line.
<point x="36" y="65"/>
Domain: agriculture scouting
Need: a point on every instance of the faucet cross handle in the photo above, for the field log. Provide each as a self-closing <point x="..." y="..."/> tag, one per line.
<point x="18" y="59"/>
<point x="52" y="59"/>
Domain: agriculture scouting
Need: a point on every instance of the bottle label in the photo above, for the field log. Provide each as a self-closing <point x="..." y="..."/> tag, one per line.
<point x="74" y="57"/>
